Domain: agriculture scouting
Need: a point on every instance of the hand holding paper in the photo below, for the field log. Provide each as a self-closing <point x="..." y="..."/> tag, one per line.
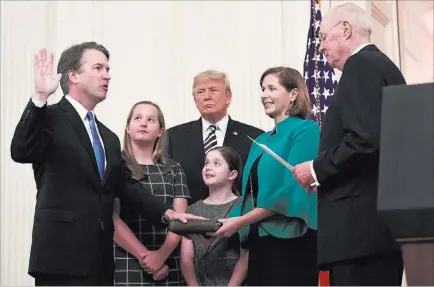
<point x="303" y="175"/>
<point x="273" y="154"/>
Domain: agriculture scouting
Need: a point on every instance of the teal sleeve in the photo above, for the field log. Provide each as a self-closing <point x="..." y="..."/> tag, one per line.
<point x="292" y="200"/>
<point x="236" y="211"/>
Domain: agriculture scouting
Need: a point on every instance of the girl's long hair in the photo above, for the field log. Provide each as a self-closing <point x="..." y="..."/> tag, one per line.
<point x="160" y="155"/>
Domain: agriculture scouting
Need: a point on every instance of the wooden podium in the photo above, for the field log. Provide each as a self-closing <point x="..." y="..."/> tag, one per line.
<point x="406" y="178"/>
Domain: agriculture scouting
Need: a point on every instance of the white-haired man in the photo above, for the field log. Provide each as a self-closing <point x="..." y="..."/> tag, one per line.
<point x="353" y="243"/>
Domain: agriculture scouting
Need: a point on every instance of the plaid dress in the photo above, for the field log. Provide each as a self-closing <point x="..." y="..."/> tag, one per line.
<point x="168" y="183"/>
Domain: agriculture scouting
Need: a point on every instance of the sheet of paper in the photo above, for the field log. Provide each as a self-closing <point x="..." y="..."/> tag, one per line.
<point x="273" y="154"/>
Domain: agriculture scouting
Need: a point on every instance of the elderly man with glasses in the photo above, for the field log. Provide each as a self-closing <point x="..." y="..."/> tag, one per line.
<point x="353" y="243"/>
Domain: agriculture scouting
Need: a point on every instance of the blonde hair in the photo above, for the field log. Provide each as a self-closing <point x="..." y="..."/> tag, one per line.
<point x="213" y="75"/>
<point x="159" y="156"/>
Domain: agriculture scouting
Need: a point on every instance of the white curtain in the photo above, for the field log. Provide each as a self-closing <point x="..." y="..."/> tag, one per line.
<point x="156" y="49"/>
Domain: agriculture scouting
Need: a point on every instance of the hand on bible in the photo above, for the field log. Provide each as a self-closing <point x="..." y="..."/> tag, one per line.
<point x="229" y="227"/>
<point x="172" y="215"/>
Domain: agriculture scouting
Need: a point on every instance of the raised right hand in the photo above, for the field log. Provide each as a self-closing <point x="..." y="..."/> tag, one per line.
<point x="45" y="83"/>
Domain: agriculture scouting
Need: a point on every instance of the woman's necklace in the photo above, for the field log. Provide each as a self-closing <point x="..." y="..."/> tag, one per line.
<point x="251" y="191"/>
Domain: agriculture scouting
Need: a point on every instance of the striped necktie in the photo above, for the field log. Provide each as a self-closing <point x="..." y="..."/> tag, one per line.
<point x="211" y="140"/>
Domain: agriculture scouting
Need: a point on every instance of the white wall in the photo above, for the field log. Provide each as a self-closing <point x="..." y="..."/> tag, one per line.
<point x="156" y="50"/>
<point x="416" y="34"/>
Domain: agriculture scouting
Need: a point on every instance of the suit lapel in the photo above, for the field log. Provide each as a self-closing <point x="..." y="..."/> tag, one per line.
<point x="195" y="138"/>
<point x="232" y="134"/>
<point x="80" y="130"/>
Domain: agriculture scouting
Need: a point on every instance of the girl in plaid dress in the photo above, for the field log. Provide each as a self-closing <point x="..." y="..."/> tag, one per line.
<point x="147" y="254"/>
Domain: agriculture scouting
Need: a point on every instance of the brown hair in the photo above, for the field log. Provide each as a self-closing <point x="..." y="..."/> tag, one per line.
<point x="291" y="79"/>
<point x="70" y="60"/>
<point x="160" y="155"/>
<point x="234" y="162"/>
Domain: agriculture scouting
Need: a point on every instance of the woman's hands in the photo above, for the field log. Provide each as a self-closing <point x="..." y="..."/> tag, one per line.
<point x="229" y="227"/>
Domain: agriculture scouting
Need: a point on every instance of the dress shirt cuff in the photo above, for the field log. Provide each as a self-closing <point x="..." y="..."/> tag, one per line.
<point x="312" y="171"/>
<point x="163" y="219"/>
<point x="38" y="103"/>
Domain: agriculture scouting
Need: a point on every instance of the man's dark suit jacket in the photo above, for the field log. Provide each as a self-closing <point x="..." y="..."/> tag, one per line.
<point x="73" y="226"/>
<point x="186" y="147"/>
<point x="347" y="164"/>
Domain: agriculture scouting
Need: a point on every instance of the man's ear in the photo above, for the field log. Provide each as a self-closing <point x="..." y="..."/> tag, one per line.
<point x="73" y="76"/>
<point x="233" y="175"/>
<point x="228" y="97"/>
<point x="348" y="30"/>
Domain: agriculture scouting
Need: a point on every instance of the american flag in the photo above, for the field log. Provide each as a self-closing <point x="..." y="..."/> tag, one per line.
<point x="321" y="82"/>
<point x="320" y="78"/>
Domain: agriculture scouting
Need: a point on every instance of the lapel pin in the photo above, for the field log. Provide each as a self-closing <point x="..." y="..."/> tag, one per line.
<point x="235" y="133"/>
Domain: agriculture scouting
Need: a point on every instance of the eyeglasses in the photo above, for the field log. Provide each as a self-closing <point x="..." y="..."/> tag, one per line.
<point x="323" y="36"/>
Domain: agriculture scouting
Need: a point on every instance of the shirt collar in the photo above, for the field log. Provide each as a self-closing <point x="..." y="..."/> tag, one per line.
<point x="82" y="112"/>
<point x="361" y="47"/>
<point x="221" y="125"/>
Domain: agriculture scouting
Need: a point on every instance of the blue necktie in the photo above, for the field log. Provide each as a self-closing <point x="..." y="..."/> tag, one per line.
<point x="97" y="145"/>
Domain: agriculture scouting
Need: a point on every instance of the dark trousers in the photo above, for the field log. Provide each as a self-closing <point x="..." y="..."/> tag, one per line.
<point x="65" y="280"/>
<point x="101" y="274"/>
<point x="377" y="270"/>
<point x="282" y="262"/>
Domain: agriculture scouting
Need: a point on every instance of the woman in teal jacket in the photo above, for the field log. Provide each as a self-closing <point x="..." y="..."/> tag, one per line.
<point x="277" y="219"/>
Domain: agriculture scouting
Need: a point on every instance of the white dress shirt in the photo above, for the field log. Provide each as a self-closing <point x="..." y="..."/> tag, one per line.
<point x="220" y="132"/>
<point x="82" y="112"/>
<point x="312" y="171"/>
<point x="360" y="48"/>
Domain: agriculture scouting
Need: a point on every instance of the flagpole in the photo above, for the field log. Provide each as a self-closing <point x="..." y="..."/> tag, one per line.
<point x="320" y="82"/>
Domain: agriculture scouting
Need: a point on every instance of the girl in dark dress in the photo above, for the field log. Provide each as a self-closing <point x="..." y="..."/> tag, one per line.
<point x="147" y="254"/>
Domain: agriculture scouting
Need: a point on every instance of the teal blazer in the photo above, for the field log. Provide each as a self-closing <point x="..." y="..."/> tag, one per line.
<point x="296" y="141"/>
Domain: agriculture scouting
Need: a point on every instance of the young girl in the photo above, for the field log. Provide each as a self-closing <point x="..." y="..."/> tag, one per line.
<point x="221" y="261"/>
<point x="146" y="254"/>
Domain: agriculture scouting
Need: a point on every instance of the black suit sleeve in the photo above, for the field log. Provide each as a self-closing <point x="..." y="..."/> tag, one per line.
<point x="169" y="144"/>
<point x="32" y="135"/>
<point x="131" y="193"/>
<point x="359" y="106"/>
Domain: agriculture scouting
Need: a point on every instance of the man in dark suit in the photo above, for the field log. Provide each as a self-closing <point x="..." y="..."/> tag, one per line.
<point x="78" y="171"/>
<point x="353" y="243"/>
<point x="189" y="142"/>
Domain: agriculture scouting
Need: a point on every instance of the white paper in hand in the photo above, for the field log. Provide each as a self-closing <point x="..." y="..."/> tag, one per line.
<point x="270" y="152"/>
